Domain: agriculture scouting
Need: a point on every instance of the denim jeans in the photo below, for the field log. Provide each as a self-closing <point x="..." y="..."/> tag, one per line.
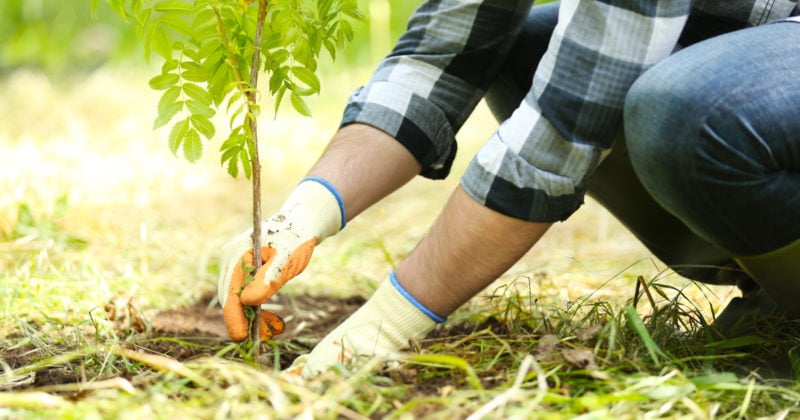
<point x="714" y="134"/>
<point x="663" y="230"/>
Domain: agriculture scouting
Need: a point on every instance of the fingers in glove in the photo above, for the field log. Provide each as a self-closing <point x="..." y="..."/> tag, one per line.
<point x="233" y="311"/>
<point x="271" y="325"/>
<point x="236" y="321"/>
<point x="258" y="291"/>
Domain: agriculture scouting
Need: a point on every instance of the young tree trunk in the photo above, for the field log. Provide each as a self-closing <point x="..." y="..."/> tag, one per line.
<point x="256" y="166"/>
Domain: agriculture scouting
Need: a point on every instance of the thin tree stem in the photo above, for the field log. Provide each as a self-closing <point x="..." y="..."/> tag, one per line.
<point x="252" y="97"/>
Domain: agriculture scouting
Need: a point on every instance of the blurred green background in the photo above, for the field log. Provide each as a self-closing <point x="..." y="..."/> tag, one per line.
<point x="65" y="37"/>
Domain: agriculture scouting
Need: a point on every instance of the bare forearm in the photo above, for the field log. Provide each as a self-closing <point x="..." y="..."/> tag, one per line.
<point x="467" y="248"/>
<point x="365" y="165"/>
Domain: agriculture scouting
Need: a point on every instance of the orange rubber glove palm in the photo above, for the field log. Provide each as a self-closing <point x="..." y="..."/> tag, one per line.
<point x="311" y="213"/>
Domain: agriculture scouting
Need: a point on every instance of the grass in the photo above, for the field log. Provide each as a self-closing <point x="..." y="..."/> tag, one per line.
<point x="95" y="209"/>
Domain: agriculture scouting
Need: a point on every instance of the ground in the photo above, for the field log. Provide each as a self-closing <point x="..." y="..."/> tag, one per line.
<point x="108" y="271"/>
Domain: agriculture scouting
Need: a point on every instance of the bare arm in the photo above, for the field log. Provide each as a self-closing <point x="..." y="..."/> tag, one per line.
<point x="365" y="165"/>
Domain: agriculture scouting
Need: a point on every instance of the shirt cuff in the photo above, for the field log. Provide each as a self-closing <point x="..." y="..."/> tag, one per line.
<point x="418" y="124"/>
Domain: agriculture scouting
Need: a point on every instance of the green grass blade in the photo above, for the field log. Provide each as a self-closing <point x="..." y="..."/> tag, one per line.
<point x="638" y="326"/>
<point x="447" y="360"/>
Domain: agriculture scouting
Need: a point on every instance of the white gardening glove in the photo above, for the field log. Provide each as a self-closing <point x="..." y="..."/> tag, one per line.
<point x="311" y="213"/>
<point x="381" y="327"/>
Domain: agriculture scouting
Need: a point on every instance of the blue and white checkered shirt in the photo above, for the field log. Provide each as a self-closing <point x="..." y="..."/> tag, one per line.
<point x="536" y="166"/>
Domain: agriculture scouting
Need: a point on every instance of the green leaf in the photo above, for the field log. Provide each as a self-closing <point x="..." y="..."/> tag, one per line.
<point x="160" y="42"/>
<point x="330" y="47"/>
<point x="177" y="135"/>
<point x="168" y="98"/>
<point x="192" y="51"/>
<point x="199" y="108"/>
<point x="197" y="93"/>
<point x="279" y="98"/>
<point x="164" y="81"/>
<point x="176" y="23"/>
<point x="192" y="146"/>
<point x="230" y="152"/>
<point x="219" y="84"/>
<point x="234" y="141"/>
<point x="194" y="72"/>
<point x="300" y="105"/>
<point x="166" y="115"/>
<point x="203" y="125"/>
<point x="234" y="115"/>
<point x="350" y="8"/>
<point x="205" y="31"/>
<point x="205" y="20"/>
<point x="307" y="77"/>
<point x="142" y="20"/>
<point x="212" y="50"/>
<point x="278" y="78"/>
<point x="244" y="157"/>
<point x="280" y="56"/>
<point x="346" y="31"/>
<point x="172" y="7"/>
<point x="302" y="53"/>
<point x="119" y="7"/>
<point x="271" y="41"/>
<point x="323" y="7"/>
<point x="232" y="165"/>
<point x="170" y="66"/>
<point x="168" y="106"/>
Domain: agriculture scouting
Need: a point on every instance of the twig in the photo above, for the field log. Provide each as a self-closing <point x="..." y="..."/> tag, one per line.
<point x="646" y="288"/>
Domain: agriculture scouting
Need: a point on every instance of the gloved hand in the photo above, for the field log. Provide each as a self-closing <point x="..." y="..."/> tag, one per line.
<point x="311" y="213"/>
<point x="381" y="327"/>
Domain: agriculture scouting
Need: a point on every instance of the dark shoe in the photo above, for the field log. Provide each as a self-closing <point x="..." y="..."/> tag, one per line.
<point x="743" y="314"/>
<point x="754" y="325"/>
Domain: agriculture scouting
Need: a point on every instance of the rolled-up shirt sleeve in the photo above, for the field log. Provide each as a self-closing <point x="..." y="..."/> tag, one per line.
<point x="537" y="165"/>
<point x="425" y="89"/>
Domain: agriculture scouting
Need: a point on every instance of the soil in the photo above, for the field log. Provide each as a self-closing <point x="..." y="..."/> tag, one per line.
<point x="199" y="331"/>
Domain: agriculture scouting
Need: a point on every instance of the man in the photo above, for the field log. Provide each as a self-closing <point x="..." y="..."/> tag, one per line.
<point x="712" y="132"/>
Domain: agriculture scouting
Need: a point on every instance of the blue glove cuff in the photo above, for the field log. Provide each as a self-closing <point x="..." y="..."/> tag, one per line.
<point x="333" y="191"/>
<point x="432" y="315"/>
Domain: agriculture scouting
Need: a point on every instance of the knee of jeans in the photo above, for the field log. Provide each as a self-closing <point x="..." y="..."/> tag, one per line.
<point x="647" y="133"/>
<point x="661" y="120"/>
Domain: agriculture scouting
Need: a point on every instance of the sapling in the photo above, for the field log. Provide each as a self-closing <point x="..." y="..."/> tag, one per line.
<point x="213" y="52"/>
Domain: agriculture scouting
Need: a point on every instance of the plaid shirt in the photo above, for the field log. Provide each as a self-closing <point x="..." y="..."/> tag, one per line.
<point x="536" y="166"/>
